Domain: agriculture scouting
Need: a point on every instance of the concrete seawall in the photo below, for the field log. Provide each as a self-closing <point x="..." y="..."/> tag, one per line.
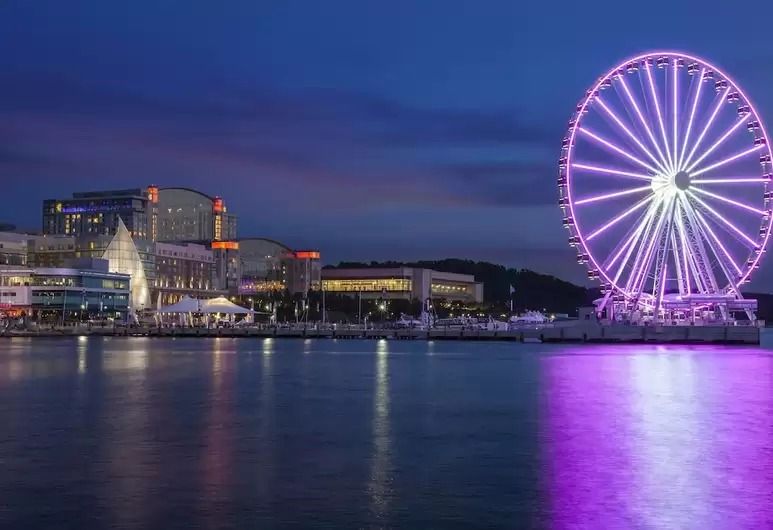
<point x="578" y="333"/>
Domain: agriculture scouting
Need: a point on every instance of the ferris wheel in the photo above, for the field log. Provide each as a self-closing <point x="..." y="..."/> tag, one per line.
<point x="664" y="180"/>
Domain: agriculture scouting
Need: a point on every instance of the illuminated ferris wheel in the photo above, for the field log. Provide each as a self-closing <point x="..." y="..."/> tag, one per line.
<point x="664" y="180"/>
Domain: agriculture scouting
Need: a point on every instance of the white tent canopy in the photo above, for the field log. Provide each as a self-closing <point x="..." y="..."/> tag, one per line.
<point x="185" y="305"/>
<point x="221" y="304"/>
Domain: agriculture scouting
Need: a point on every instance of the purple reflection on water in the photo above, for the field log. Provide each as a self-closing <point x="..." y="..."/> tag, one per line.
<point x="659" y="437"/>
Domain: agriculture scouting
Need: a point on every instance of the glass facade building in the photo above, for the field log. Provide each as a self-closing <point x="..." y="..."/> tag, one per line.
<point x="188" y="215"/>
<point x="65" y="293"/>
<point x="13" y="249"/>
<point x="98" y="213"/>
<point x="266" y="265"/>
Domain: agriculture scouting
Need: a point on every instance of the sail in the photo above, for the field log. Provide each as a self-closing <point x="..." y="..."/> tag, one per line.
<point x="124" y="258"/>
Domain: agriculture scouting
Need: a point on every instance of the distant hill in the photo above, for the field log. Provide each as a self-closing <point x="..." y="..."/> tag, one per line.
<point x="532" y="289"/>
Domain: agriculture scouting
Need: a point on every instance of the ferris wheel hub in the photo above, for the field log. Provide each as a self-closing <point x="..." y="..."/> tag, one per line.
<point x="681" y="180"/>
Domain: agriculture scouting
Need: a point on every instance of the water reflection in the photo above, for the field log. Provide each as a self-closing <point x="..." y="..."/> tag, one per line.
<point x="83" y="344"/>
<point x="126" y="459"/>
<point x="218" y="447"/>
<point x="380" y="486"/>
<point x="643" y="438"/>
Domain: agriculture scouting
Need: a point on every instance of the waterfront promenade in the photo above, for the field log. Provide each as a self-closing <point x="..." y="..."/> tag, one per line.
<point x="577" y="332"/>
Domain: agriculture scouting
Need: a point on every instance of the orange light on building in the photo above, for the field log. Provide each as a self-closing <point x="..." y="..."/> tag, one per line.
<point x="217" y="205"/>
<point x="225" y="245"/>
<point x="153" y="194"/>
<point x="307" y="254"/>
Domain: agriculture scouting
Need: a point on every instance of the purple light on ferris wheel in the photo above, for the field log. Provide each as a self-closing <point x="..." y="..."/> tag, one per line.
<point x="613" y="195"/>
<point x="656" y="98"/>
<point x="630" y="134"/>
<point x="717" y="108"/>
<point x="664" y="145"/>
<point x="731" y="201"/>
<point x="716" y="144"/>
<point x="617" y="149"/>
<point x="692" y="117"/>
<point x="639" y="114"/>
<point x="727" y="160"/>
<point x="707" y="227"/>
<point x="610" y="171"/>
<point x="724" y="220"/>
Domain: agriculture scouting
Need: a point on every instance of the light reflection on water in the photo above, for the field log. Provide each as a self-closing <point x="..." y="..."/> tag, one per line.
<point x="272" y="433"/>
<point x="380" y="486"/>
<point x="671" y="438"/>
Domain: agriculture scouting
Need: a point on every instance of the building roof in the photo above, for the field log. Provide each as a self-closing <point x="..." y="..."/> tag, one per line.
<point x="190" y="190"/>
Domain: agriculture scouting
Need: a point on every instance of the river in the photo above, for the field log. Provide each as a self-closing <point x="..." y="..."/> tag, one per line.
<point x="266" y="433"/>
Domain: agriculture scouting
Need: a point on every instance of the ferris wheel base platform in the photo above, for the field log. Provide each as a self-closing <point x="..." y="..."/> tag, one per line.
<point x="653" y="333"/>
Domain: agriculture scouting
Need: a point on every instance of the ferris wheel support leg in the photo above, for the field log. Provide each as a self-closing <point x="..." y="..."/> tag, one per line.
<point x="722" y="258"/>
<point x="698" y="250"/>
<point x="661" y="257"/>
<point x="646" y="263"/>
<point x="642" y="251"/>
<point x="632" y="239"/>
<point x="678" y="261"/>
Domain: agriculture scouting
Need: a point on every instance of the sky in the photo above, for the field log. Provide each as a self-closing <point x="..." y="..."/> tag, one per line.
<point x="368" y="130"/>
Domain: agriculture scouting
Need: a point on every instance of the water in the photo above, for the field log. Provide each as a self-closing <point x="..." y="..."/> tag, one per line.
<point x="253" y="433"/>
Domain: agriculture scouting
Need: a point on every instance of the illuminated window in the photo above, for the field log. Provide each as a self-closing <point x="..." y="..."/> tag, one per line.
<point x="368" y="285"/>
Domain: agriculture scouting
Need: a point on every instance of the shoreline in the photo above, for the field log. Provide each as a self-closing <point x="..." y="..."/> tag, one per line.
<point x="618" y="334"/>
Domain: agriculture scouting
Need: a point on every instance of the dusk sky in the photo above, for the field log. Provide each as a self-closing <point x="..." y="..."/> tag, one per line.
<point x="369" y="130"/>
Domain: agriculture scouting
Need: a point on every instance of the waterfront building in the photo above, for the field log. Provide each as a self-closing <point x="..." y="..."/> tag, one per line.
<point x="184" y="214"/>
<point x="98" y="213"/>
<point x="85" y="291"/>
<point x="124" y="254"/>
<point x="406" y="283"/>
<point x="185" y="269"/>
<point x="13" y="249"/>
<point x="268" y="266"/>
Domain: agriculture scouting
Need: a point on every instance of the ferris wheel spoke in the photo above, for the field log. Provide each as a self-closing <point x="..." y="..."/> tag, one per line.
<point x="616" y="149"/>
<point x="660" y="256"/>
<point x="719" y="142"/>
<point x="631" y="238"/>
<point x="713" y="237"/>
<point x="630" y="134"/>
<point x="610" y="171"/>
<point x="620" y="217"/>
<point x="656" y="100"/>
<point x="643" y="120"/>
<point x="724" y="258"/>
<point x="643" y="261"/>
<point x="722" y="219"/>
<point x="613" y="195"/>
<point x="683" y="247"/>
<point x="736" y="180"/>
<point x="731" y="201"/>
<point x="699" y="258"/>
<point x="727" y="160"/>
<point x="674" y="242"/>
<point x="675" y="113"/>
<point x="717" y="108"/>
<point x="692" y="117"/>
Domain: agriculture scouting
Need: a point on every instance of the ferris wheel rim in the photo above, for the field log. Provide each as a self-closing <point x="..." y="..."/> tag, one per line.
<point x="592" y="94"/>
